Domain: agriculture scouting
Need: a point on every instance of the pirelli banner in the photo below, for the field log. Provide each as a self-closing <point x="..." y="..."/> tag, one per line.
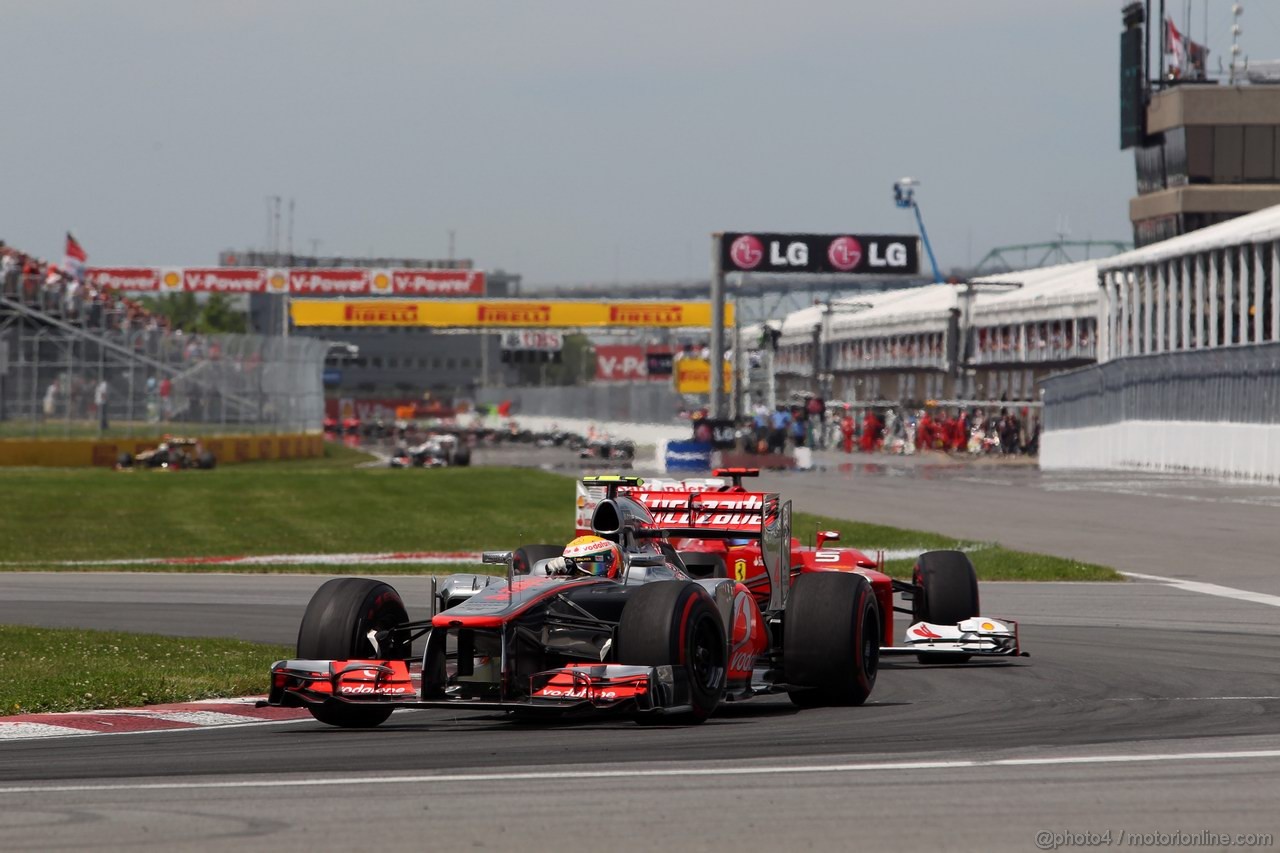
<point x="502" y="313"/>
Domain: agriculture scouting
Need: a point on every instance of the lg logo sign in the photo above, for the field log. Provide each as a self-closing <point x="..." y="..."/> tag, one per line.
<point x="845" y="253"/>
<point x="820" y="253"/>
<point x="746" y="252"/>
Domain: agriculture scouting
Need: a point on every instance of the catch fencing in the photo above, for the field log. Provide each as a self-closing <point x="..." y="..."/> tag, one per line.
<point x="1238" y="384"/>
<point x="59" y="370"/>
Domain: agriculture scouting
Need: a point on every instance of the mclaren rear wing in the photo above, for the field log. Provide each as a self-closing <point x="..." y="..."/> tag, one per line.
<point x="759" y="516"/>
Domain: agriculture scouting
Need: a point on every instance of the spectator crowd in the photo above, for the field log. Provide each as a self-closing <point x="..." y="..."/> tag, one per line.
<point x="818" y="425"/>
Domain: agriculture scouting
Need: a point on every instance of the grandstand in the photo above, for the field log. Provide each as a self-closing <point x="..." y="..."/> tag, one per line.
<point x="61" y="339"/>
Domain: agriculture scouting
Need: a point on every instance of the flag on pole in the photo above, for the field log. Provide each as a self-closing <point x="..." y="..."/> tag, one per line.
<point x="1174" y="45"/>
<point x="75" y="257"/>
<point x="1197" y="59"/>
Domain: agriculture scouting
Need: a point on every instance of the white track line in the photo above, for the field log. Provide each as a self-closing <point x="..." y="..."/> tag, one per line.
<point x="1210" y="589"/>
<point x="677" y="772"/>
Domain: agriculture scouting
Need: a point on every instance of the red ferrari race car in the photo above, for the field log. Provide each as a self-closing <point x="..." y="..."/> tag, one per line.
<point x="946" y="625"/>
<point x="651" y="642"/>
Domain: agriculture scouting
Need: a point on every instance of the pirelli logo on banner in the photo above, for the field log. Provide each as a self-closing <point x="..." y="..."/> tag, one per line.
<point x="500" y="313"/>
<point x="375" y="314"/>
<point x="646" y="315"/>
<point x="497" y="314"/>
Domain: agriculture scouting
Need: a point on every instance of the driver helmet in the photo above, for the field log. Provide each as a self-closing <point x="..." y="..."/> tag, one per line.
<point x="593" y="555"/>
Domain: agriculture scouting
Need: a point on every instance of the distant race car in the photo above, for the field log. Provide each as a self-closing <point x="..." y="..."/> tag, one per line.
<point x="172" y="453"/>
<point x="437" y="451"/>
<point x="943" y="593"/>
<point x="652" y="643"/>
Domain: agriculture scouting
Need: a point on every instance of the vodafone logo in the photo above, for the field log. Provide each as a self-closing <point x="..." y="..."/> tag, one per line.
<point x="746" y="252"/>
<point x="844" y="253"/>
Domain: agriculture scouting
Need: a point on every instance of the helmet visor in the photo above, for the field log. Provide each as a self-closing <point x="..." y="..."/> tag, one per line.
<point x="593" y="564"/>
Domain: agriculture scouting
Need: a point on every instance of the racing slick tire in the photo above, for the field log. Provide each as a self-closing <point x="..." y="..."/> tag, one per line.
<point x="676" y="624"/>
<point x="207" y="461"/>
<point x="946" y="594"/>
<point x="461" y="457"/>
<point x="831" y="639"/>
<point x="524" y="558"/>
<point x="335" y="627"/>
<point x="124" y="460"/>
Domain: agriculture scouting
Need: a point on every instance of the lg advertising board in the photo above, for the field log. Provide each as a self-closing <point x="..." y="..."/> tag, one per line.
<point x="861" y="254"/>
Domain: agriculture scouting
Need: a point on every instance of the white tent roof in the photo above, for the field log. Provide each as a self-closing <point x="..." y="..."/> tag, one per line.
<point x="918" y="309"/>
<point x="1258" y="227"/>
<point x="1047" y="293"/>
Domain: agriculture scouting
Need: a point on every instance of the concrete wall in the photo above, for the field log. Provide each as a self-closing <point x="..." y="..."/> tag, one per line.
<point x="1235" y="450"/>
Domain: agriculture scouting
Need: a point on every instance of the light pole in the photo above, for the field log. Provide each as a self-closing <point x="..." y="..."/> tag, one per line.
<point x="904" y="195"/>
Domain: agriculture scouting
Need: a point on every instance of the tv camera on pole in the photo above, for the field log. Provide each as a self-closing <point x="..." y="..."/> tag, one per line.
<point x="904" y="195"/>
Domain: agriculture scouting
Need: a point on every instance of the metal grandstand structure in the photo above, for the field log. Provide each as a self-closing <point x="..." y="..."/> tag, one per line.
<point x="55" y="355"/>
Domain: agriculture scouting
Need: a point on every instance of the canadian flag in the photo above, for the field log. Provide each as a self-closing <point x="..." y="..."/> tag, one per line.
<point x="75" y="258"/>
<point x="1174" y="45"/>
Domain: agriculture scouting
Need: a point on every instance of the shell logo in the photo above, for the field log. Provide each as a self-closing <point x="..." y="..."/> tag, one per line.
<point x="277" y="282"/>
<point x="381" y="282"/>
<point x="171" y="280"/>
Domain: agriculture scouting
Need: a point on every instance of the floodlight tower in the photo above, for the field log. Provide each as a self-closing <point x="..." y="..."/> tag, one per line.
<point x="904" y="195"/>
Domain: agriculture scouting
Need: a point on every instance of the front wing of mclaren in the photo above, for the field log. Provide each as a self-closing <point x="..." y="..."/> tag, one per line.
<point x="573" y="688"/>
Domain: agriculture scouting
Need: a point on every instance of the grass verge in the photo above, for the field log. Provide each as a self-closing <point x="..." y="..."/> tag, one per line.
<point x="45" y="669"/>
<point x="329" y="505"/>
<point x="992" y="561"/>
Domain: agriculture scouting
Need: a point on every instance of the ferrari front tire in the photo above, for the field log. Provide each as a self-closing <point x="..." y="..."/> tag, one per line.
<point x="946" y="594"/>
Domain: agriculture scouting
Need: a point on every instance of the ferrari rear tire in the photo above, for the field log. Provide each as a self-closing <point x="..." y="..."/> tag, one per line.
<point x="831" y="639"/>
<point x="946" y="594"/>
<point x="675" y="623"/>
<point x="526" y="557"/>
<point x="336" y="626"/>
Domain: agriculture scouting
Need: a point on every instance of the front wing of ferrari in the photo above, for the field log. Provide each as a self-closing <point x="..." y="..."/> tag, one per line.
<point x="976" y="636"/>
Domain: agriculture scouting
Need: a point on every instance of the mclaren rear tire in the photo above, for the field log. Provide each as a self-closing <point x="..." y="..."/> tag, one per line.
<point x="207" y="461"/>
<point x="526" y="557"/>
<point x="675" y="623"/>
<point x="336" y="627"/>
<point x="124" y="460"/>
<point x="831" y="639"/>
<point x="946" y="594"/>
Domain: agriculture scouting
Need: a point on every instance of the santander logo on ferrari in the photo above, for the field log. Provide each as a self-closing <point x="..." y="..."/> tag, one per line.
<point x="746" y="252"/>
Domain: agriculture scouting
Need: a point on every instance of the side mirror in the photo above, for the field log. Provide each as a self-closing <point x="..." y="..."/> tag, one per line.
<point x="825" y="536"/>
<point x="496" y="558"/>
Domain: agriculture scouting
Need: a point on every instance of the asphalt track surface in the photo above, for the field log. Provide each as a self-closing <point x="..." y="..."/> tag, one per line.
<point x="1145" y="708"/>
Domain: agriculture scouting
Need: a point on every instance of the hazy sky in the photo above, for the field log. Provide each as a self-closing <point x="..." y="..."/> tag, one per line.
<point x="570" y="141"/>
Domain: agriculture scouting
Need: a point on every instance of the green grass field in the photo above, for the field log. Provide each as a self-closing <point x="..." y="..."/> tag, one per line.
<point x="330" y="505"/>
<point x="71" y="670"/>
